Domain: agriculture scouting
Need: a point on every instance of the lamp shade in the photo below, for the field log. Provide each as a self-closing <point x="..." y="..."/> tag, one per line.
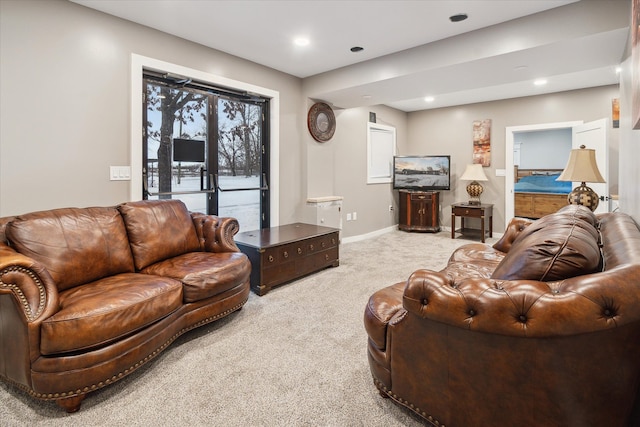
<point x="581" y="167"/>
<point x="474" y="172"/>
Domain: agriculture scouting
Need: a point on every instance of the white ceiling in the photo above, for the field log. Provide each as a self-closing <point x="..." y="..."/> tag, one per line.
<point x="400" y="39"/>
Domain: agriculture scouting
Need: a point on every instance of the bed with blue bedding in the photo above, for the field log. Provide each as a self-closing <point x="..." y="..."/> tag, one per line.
<point x="537" y="193"/>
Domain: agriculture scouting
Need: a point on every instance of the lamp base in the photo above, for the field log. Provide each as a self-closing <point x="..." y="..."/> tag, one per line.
<point x="474" y="190"/>
<point x="585" y="196"/>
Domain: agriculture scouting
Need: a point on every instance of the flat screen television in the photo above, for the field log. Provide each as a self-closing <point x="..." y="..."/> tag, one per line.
<point x="424" y="173"/>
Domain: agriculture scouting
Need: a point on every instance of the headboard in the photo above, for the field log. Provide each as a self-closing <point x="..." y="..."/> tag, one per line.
<point x="519" y="173"/>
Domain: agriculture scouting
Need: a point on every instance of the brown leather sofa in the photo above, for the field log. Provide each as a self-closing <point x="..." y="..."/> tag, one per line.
<point x="542" y="329"/>
<point x="89" y="295"/>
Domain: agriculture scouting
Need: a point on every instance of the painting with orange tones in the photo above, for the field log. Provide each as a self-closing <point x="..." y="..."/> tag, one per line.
<point x="482" y="142"/>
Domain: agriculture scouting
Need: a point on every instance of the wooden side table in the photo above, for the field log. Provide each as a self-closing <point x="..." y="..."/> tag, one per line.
<point x="464" y="210"/>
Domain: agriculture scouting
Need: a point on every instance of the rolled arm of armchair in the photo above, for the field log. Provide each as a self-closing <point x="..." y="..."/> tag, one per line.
<point x="527" y="308"/>
<point x="29" y="283"/>
<point x="216" y="233"/>
<point x="515" y="227"/>
<point x="384" y="308"/>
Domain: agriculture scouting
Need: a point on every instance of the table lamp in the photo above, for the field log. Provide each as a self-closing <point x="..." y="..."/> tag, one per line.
<point x="582" y="167"/>
<point x="474" y="173"/>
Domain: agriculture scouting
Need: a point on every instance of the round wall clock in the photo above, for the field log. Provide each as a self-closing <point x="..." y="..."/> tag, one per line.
<point x="321" y="122"/>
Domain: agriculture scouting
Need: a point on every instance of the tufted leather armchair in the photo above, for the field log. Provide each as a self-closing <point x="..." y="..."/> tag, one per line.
<point x="542" y="329"/>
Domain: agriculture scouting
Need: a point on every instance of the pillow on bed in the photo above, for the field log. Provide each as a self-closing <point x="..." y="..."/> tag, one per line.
<point x="555" y="247"/>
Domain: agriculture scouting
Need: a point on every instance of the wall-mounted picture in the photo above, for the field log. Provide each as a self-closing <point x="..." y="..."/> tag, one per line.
<point x="615" y="112"/>
<point x="424" y="173"/>
<point x="482" y="142"/>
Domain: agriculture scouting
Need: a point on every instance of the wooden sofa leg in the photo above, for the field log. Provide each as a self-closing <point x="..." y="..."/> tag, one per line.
<point x="71" y="404"/>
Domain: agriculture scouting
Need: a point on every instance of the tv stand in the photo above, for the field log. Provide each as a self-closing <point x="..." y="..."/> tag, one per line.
<point x="419" y="211"/>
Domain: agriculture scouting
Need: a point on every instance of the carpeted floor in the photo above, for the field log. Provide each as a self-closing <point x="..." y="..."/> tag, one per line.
<point x="294" y="357"/>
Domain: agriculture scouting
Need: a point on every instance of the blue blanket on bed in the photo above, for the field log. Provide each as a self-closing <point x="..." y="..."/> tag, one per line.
<point x="542" y="184"/>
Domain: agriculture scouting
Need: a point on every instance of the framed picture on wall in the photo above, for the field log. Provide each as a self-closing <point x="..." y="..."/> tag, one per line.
<point x="482" y="142"/>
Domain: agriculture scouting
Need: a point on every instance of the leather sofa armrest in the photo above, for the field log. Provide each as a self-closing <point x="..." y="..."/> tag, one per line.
<point x="29" y="283"/>
<point x="527" y="308"/>
<point x="384" y="308"/>
<point x="216" y="233"/>
<point x="515" y="227"/>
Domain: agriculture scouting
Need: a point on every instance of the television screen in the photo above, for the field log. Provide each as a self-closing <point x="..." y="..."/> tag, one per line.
<point x="188" y="150"/>
<point x="425" y="173"/>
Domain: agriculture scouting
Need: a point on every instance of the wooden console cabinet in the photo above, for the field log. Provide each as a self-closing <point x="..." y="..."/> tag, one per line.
<point x="281" y="254"/>
<point x="419" y="211"/>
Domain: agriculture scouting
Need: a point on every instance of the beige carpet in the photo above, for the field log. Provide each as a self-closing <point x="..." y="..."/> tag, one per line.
<point x="294" y="357"/>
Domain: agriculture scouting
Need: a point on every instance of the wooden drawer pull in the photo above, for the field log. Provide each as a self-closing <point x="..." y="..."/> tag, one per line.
<point x="286" y="254"/>
<point x="270" y="258"/>
<point x="311" y="246"/>
<point x="299" y="251"/>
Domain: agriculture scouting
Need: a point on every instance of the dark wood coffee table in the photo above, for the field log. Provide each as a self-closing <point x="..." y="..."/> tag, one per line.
<point x="281" y="254"/>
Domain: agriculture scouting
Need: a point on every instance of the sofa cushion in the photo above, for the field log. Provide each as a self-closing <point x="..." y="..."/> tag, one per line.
<point x="555" y="247"/>
<point x="571" y="214"/>
<point x="103" y="311"/>
<point x="75" y="245"/>
<point x="205" y="274"/>
<point x="158" y="230"/>
<point x="472" y="260"/>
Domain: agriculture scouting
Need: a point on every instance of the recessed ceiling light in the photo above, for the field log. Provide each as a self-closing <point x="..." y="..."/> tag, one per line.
<point x="540" y="82"/>
<point x="366" y="96"/>
<point x="301" y="41"/>
<point x="356" y="49"/>
<point x="458" y="17"/>
<point x="429" y="99"/>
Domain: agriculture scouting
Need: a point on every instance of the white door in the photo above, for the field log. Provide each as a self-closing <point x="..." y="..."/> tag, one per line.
<point x="594" y="135"/>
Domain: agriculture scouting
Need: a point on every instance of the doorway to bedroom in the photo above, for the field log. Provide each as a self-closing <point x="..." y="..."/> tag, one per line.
<point x="539" y="158"/>
<point x="592" y="135"/>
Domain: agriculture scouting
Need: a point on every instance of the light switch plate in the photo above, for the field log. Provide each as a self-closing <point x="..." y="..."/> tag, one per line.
<point x="120" y="173"/>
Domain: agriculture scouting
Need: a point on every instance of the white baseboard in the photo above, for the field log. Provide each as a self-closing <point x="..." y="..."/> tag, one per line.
<point x="369" y="235"/>
<point x="392" y="228"/>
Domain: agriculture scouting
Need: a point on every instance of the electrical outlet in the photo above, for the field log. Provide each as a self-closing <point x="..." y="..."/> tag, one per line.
<point x="355" y="216"/>
<point x="348" y="217"/>
<point x="390" y="208"/>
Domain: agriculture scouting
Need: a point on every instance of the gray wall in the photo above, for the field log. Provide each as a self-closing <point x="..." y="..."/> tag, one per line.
<point x="65" y="81"/>
<point x="65" y="118"/>
<point x="449" y="130"/>
<point x="544" y="149"/>
<point x="629" y="138"/>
